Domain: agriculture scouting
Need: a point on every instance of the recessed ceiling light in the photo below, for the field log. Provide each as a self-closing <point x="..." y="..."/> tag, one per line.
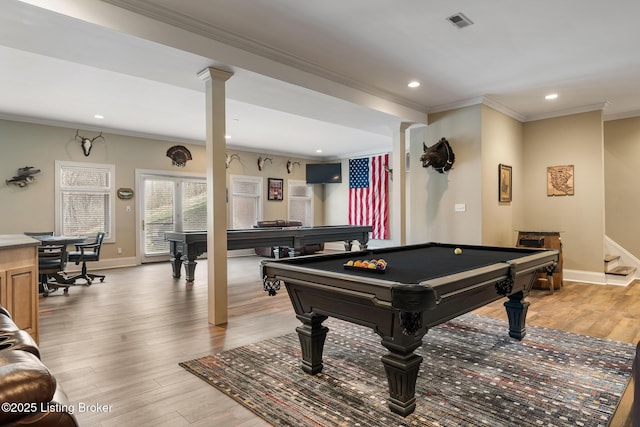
<point x="227" y="137"/>
<point x="318" y="150"/>
<point x="551" y="96"/>
<point x="414" y="84"/>
<point x="98" y="116"/>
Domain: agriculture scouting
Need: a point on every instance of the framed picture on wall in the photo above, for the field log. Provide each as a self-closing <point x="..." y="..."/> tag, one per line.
<point x="560" y="180"/>
<point x="275" y="189"/>
<point x="504" y="183"/>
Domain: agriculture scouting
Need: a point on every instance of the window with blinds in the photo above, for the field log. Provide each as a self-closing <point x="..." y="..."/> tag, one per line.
<point x="84" y="199"/>
<point x="300" y="202"/>
<point x="194" y="205"/>
<point x="245" y="201"/>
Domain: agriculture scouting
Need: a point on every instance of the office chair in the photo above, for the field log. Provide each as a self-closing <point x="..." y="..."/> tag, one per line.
<point x="87" y="252"/>
<point x="52" y="260"/>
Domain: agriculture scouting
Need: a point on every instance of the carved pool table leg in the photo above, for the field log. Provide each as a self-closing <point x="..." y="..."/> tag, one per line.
<point x="312" y="335"/>
<point x="348" y="244"/>
<point x="190" y="269"/>
<point x="176" y="264"/>
<point x="402" y="374"/>
<point x="517" y="308"/>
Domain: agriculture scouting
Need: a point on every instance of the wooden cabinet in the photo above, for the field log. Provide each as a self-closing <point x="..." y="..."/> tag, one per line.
<point x="547" y="240"/>
<point x="19" y="281"/>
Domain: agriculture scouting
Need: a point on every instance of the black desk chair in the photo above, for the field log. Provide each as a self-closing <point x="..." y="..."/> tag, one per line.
<point x="87" y="252"/>
<point x="52" y="260"/>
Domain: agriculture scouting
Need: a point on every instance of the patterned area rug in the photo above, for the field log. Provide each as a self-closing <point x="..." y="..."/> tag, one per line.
<point x="472" y="374"/>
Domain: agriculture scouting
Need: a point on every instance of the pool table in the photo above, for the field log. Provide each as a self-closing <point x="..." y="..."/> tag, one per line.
<point x="422" y="286"/>
<point x="187" y="246"/>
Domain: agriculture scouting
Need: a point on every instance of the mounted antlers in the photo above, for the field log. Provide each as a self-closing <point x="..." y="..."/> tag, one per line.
<point x="291" y="164"/>
<point x="229" y="158"/>
<point x="87" y="143"/>
<point x="261" y="162"/>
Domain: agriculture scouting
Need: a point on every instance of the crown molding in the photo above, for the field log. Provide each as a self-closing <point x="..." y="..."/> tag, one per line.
<point x="484" y="100"/>
<point x="490" y="102"/>
<point x="94" y="128"/>
<point x="569" y="111"/>
<point x="225" y="36"/>
<point x="623" y="115"/>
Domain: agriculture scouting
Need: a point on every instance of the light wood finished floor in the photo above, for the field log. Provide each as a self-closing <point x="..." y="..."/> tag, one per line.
<point x="118" y="343"/>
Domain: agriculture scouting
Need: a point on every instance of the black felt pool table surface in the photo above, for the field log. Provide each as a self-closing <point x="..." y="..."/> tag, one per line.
<point x="416" y="264"/>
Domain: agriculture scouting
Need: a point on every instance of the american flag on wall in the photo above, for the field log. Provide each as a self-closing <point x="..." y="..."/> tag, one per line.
<point x="369" y="193"/>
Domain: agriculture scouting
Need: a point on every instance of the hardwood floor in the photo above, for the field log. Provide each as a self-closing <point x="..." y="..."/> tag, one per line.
<point x="118" y="343"/>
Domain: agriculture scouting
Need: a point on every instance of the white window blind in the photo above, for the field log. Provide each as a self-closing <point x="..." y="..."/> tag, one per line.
<point x="194" y="205"/>
<point x="300" y="202"/>
<point x="84" y="199"/>
<point x="245" y="201"/>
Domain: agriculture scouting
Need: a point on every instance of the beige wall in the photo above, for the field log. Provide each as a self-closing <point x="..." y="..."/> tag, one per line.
<point x="502" y="142"/>
<point x="433" y="195"/>
<point x="481" y="138"/>
<point x="277" y="168"/>
<point x="32" y="207"/>
<point x="622" y="186"/>
<point x="570" y="140"/>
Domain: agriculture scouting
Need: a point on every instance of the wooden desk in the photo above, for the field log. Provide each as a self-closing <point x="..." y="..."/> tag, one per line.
<point x="547" y="240"/>
<point x="19" y="280"/>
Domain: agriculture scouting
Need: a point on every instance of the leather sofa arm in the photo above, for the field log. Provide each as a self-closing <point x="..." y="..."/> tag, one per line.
<point x="24" y="380"/>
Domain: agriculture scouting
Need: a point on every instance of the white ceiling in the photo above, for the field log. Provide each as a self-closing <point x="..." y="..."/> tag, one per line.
<point x="328" y="75"/>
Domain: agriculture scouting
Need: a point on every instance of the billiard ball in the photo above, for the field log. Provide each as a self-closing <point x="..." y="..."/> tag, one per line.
<point x="457" y="251"/>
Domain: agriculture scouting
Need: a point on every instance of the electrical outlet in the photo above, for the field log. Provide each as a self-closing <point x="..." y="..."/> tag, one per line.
<point x="119" y="251"/>
<point x="461" y="207"/>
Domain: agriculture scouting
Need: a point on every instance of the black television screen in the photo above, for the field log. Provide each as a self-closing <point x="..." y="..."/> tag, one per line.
<point x="324" y="173"/>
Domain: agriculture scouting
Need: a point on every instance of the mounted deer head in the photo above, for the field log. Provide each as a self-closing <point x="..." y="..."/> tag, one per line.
<point x="87" y="143"/>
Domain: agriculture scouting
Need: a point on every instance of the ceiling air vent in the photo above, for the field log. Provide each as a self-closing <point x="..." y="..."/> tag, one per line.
<point x="459" y="20"/>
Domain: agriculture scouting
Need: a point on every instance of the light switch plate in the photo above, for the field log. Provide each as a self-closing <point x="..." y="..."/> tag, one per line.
<point x="461" y="207"/>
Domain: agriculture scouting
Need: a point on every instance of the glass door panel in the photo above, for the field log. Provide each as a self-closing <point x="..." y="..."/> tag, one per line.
<point x="159" y="214"/>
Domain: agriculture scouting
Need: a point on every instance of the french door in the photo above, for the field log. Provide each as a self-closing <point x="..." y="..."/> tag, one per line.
<point x="169" y="203"/>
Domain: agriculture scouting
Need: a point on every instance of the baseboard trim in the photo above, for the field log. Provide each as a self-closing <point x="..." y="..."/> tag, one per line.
<point x="569" y="275"/>
<point x="595" y="278"/>
<point x="103" y="264"/>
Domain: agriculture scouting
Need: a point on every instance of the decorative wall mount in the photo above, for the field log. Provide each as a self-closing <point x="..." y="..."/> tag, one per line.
<point x="439" y="156"/>
<point x="125" y="193"/>
<point x="228" y="158"/>
<point x="87" y="143"/>
<point x="179" y="155"/>
<point x="262" y="160"/>
<point x="25" y="176"/>
<point x="291" y="164"/>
